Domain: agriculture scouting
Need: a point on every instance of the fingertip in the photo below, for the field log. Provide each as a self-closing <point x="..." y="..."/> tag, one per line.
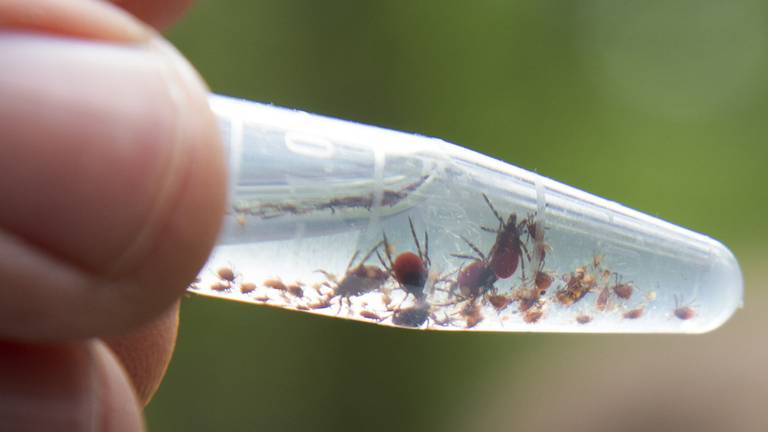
<point x="119" y="408"/>
<point x="74" y="387"/>
<point x="146" y="352"/>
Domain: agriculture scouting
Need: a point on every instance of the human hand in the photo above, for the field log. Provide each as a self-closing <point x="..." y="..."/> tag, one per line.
<point x="112" y="189"/>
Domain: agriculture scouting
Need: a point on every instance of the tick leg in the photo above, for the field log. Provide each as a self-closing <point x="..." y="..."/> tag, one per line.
<point x="354" y="256"/>
<point x="383" y="264"/>
<point x="386" y="251"/>
<point x="474" y="248"/>
<point x="341" y="304"/>
<point x="331" y="277"/>
<point x="466" y="257"/>
<point x="493" y="209"/>
<point x="368" y="255"/>
<point x="415" y="238"/>
<point x="523" y="248"/>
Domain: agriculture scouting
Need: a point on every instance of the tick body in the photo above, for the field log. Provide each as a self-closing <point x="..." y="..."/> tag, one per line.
<point x="414" y="316"/>
<point x="500" y="302"/>
<point x="507" y="251"/>
<point x="623" y="290"/>
<point x="475" y="279"/>
<point x="247" y="287"/>
<point x="602" y="299"/>
<point x="535" y="228"/>
<point x="471" y="313"/>
<point x="634" y="313"/>
<point x="533" y="315"/>
<point x="275" y="284"/>
<point x="295" y="290"/>
<point x="505" y="255"/>
<point x="543" y="280"/>
<point x="528" y="298"/>
<point x="324" y="302"/>
<point x="370" y="315"/>
<point x="226" y="274"/>
<point x="411" y="273"/>
<point x="683" y="312"/>
<point x="358" y="279"/>
<point x="578" y="284"/>
<point x="220" y="286"/>
<point x="410" y="270"/>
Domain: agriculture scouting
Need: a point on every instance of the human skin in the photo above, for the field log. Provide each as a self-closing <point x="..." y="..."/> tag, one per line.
<point x="112" y="184"/>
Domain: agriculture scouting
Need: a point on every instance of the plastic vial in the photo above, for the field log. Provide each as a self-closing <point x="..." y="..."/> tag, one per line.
<point x="358" y="222"/>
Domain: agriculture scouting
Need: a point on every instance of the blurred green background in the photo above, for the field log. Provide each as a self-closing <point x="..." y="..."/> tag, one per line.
<point x="659" y="105"/>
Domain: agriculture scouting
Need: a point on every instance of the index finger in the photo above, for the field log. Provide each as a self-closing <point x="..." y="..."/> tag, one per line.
<point x="158" y="13"/>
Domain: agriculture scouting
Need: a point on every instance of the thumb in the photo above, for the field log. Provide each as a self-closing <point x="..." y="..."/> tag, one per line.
<point x="112" y="183"/>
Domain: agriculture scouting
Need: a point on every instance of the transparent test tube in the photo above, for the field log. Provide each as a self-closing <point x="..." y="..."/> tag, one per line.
<point x="352" y="221"/>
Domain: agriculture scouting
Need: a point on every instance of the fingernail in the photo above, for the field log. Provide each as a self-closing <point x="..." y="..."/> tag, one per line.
<point x="48" y="388"/>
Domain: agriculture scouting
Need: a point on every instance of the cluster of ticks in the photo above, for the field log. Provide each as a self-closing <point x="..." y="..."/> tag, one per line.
<point x="389" y="198"/>
<point x="466" y="289"/>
